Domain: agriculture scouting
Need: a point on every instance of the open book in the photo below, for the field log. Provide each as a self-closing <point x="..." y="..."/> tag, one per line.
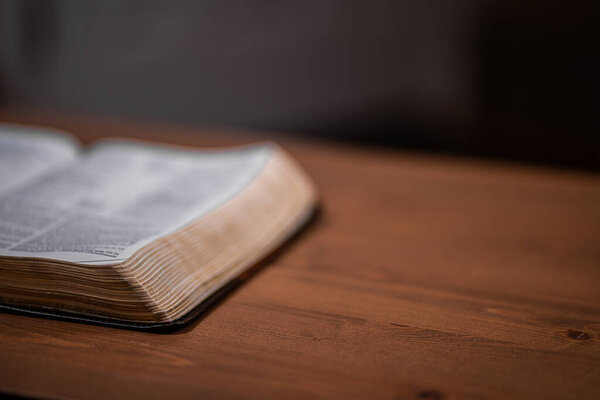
<point x="137" y="234"/>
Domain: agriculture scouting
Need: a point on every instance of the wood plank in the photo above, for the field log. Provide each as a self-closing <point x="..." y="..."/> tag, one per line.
<point x="424" y="277"/>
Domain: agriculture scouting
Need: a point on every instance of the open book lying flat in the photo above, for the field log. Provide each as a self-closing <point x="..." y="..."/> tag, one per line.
<point x="135" y="234"/>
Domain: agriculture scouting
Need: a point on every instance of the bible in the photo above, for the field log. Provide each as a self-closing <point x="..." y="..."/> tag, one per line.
<point x="136" y="234"/>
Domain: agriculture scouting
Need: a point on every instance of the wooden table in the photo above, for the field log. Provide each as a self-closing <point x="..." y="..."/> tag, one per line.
<point x="425" y="277"/>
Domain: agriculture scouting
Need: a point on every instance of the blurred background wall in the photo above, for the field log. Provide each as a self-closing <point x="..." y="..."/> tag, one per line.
<point x="510" y="79"/>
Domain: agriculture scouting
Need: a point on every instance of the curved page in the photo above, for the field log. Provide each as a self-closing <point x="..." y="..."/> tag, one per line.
<point x="119" y="197"/>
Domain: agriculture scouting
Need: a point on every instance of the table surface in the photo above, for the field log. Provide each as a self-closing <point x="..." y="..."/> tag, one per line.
<point x="424" y="277"/>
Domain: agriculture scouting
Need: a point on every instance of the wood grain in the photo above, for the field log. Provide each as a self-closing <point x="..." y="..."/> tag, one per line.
<point x="424" y="278"/>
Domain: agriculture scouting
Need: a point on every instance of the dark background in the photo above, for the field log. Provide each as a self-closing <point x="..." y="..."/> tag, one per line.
<point x="509" y="79"/>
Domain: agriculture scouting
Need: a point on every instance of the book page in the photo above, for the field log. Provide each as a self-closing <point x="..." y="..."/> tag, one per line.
<point x="26" y="152"/>
<point x="120" y="197"/>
